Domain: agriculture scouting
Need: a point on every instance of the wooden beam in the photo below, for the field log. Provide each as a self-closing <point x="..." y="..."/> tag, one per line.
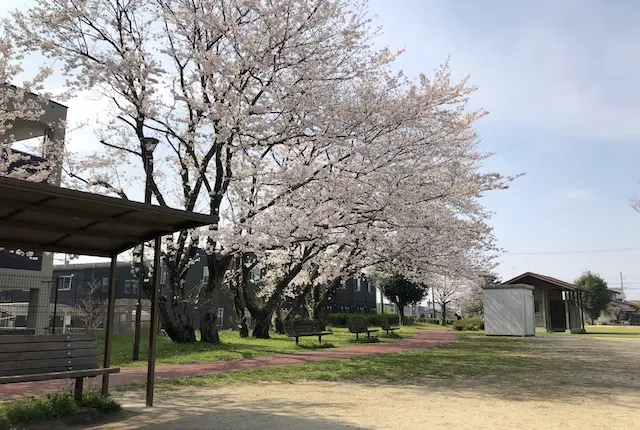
<point x="108" y="336"/>
<point x="45" y="246"/>
<point x="66" y="232"/>
<point x="89" y="215"/>
<point x="153" y="324"/>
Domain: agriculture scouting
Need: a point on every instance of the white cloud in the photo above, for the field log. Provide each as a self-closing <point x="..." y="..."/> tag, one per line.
<point x="567" y="67"/>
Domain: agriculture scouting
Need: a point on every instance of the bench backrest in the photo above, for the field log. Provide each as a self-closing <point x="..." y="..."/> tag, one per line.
<point x="27" y="355"/>
<point x="303" y="326"/>
<point x="357" y="325"/>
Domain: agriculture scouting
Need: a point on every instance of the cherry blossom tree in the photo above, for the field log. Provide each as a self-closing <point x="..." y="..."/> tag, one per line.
<point x="281" y="120"/>
<point x="231" y="89"/>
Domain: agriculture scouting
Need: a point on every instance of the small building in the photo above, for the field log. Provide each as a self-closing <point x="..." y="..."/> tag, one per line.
<point x="557" y="304"/>
<point x="509" y="310"/>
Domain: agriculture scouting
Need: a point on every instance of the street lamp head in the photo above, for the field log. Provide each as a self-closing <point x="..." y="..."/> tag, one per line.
<point x="150" y="143"/>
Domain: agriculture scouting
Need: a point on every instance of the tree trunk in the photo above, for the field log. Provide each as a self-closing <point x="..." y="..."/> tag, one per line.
<point x="401" y="313"/>
<point x="176" y="321"/>
<point x="238" y="306"/>
<point x="279" y="323"/>
<point x="262" y="325"/>
<point x="443" y="311"/>
<point x="208" y="315"/>
<point x="208" y="327"/>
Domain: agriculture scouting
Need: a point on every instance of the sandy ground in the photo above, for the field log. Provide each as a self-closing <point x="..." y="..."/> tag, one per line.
<point x="307" y="406"/>
<point x="602" y="393"/>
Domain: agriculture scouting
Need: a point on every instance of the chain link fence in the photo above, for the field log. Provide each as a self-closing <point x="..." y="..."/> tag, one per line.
<point x="64" y="304"/>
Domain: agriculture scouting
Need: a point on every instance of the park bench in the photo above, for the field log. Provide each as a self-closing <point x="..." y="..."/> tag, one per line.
<point x="300" y="329"/>
<point x="358" y="326"/>
<point x="384" y="325"/>
<point x="42" y="358"/>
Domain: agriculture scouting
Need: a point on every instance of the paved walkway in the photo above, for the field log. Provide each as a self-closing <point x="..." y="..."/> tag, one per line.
<point x="138" y="375"/>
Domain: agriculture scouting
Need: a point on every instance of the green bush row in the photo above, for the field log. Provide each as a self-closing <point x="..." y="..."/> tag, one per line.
<point x="341" y="320"/>
<point x="436" y="321"/>
<point x="468" y="324"/>
<point x="55" y="406"/>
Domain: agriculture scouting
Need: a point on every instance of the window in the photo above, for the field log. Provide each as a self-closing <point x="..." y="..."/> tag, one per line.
<point x="134" y="287"/>
<point x="371" y="288"/>
<point x="105" y="285"/>
<point x="205" y="274"/>
<point x="127" y="286"/>
<point x="220" y="318"/>
<point x="343" y="285"/>
<point x="64" y="282"/>
<point x="358" y="284"/>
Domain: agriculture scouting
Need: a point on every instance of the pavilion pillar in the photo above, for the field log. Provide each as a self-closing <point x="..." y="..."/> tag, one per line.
<point x="581" y="309"/>
<point x="153" y="324"/>
<point x="108" y="335"/>
<point x="565" y="296"/>
<point x="545" y="309"/>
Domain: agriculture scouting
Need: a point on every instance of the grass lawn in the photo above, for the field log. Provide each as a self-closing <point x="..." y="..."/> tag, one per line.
<point x="233" y="346"/>
<point x="540" y="363"/>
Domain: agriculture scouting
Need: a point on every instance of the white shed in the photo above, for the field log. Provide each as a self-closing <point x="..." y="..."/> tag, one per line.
<point x="509" y="310"/>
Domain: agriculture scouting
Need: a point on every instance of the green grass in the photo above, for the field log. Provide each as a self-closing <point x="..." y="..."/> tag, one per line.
<point x="56" y="406"/>
<point x="537" y="363"/>
<point x="471" y="356"/>
<point x="233" y="346"/>
<point x="614" y="331"/>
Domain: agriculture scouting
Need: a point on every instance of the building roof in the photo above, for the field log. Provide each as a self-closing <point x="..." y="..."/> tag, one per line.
<point x="37" y="216"/>
<point x="557" y="282"/>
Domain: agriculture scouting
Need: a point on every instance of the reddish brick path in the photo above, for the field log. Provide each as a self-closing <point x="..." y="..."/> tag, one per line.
<point x="138" y="375"/>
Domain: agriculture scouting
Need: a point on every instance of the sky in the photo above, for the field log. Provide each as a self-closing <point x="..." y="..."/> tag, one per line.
<point x="560" y="82"/>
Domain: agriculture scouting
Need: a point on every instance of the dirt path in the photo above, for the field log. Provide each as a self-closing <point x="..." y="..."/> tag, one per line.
<point x="138" y="375"/>
<point x="307" y="406"/>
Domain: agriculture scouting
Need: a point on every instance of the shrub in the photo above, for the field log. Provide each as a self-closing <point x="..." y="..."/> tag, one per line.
<point x="409" y="320"/>
<point x="468" y="324"/>
<point x="55" y="406"/>
<point x="340" y="320"/>
<point x="102" y="404"/>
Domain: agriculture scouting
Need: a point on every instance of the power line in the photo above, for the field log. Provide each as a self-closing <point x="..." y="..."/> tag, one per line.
<point x="584" y="251"/>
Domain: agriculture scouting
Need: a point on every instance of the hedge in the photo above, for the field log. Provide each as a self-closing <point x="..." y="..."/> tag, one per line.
<point x="340" y="320"/>
<point x="468" y="324"/>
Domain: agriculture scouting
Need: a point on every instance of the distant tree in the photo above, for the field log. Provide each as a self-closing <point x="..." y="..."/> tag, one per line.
<point x="401" y="291"/>
<point x="92" y="308"/>
<point x="472" y="302"/>
<point x="446" y="292"/>
<point x="596" y="297"/>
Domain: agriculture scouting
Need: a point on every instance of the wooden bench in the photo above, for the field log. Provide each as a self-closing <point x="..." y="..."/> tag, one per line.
<point x="384" y="325"/>
<point x="358" y="326"/>
<point x="306" y="328"/>
<point x="42" y="358"/>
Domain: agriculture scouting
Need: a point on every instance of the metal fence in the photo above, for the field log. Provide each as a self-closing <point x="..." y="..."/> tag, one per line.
<point x="64" y="304"/>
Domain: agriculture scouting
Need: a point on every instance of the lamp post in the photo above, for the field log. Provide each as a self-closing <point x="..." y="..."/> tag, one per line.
<point x="148" y="146"/>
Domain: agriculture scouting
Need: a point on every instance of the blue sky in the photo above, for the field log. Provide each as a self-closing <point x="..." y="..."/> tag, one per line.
<point x="560" y="80"/>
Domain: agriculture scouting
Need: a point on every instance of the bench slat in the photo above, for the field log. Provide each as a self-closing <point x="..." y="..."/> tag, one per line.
<point x="56" y="374"/>
<point x="29" y="366"/>
<point x="45" y="338"/>
<point x="58" y="369"/>
<point x="37" y="355"/>
<point x="48" y="346"/>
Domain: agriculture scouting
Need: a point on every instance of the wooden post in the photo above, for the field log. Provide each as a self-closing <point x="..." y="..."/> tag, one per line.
<point x="77" y="394"/>
<point x="581" y="309"/>
<point x="108" y="335"/>
<point x="153" y="324"/>
<point x="565" y="296"/>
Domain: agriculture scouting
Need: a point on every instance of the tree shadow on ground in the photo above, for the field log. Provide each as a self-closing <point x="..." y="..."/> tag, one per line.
<point x="187" y="411"/>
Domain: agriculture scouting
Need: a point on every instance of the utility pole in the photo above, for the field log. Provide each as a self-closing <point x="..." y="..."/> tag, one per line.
<point x="621" y="282"/>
